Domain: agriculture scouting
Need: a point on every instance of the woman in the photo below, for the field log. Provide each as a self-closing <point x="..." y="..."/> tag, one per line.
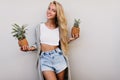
<point x="52" y="44"/>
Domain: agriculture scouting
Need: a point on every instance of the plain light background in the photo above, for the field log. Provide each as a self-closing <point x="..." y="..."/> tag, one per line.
<point x="94" y="56"/>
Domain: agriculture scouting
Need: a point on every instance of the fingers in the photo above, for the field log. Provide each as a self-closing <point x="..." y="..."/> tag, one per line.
<point x="75" y="36"/>
<point x="25" y="48"/>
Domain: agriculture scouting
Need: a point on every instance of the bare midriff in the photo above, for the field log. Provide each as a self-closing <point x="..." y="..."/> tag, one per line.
<point x="46" y="47"/>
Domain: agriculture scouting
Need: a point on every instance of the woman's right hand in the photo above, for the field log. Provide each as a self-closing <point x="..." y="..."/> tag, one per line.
<point x="27" y="48"/>
<point x="24" y="48"/>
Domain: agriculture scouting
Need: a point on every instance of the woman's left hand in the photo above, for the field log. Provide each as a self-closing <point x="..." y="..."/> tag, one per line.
<point x="75" y="36"/>
<point x="72" y="39"/>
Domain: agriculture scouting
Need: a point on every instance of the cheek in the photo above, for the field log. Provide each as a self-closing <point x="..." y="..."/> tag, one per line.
<point x="47" y="12"/>
<point x="54" y="14"/>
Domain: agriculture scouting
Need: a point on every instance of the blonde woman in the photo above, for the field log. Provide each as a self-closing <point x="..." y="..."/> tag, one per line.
<point x="52" y="45"/>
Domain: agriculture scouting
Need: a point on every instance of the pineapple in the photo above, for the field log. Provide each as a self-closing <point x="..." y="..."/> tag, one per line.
<point x="75" y="29"/>
<point x="19" y="33"/>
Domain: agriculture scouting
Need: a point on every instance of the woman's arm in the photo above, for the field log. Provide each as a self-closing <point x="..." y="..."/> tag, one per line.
<point x="71" y="39"/>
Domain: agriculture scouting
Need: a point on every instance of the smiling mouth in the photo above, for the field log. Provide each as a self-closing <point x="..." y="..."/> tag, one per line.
<point x="49" y="15"/>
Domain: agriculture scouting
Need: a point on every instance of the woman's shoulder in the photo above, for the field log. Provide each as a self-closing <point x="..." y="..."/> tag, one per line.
<point x="39" y="25"/>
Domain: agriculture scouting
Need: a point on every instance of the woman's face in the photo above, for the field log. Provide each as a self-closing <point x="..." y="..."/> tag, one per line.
<point x="51" y="12"/>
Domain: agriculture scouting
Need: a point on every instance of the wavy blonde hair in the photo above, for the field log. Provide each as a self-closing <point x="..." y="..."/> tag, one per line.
<point x="62" y="23"/>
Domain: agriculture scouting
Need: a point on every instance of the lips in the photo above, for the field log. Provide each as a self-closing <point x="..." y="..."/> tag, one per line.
<point x="49" y="15"/>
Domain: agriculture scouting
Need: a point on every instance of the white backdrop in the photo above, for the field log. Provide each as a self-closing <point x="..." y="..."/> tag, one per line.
<point x="94" y="56"/>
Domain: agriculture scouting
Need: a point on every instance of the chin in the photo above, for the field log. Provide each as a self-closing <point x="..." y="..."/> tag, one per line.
<point x="50" y="18"/>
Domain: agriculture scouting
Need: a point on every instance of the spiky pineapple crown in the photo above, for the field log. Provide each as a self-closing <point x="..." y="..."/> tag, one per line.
<point x="19" y="32"/>
<point x="76" y="23"/>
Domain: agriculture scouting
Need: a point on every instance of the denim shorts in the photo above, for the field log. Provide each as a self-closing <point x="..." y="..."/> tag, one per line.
<point x="53" y="61"/>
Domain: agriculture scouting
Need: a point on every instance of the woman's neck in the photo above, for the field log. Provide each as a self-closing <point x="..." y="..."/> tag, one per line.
<point x="51" y="24"/>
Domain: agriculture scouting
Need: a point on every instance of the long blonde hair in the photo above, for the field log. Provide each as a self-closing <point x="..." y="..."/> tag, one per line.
<point x="62" y="23"/>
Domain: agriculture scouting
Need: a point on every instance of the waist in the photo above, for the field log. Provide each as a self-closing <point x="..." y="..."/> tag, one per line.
<point x="46" y="47"/>
<point x="57" y="50"/>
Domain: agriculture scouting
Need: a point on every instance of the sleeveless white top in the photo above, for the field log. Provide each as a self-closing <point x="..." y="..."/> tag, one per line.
<point x="49" y="36"/>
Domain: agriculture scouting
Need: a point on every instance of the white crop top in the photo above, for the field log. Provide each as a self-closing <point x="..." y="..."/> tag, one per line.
<point x="49" y="36"/>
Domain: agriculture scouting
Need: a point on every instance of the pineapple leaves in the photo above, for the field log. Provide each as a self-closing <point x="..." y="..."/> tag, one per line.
<point x="76" y="22"/>
<point x="19" y="32"/>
